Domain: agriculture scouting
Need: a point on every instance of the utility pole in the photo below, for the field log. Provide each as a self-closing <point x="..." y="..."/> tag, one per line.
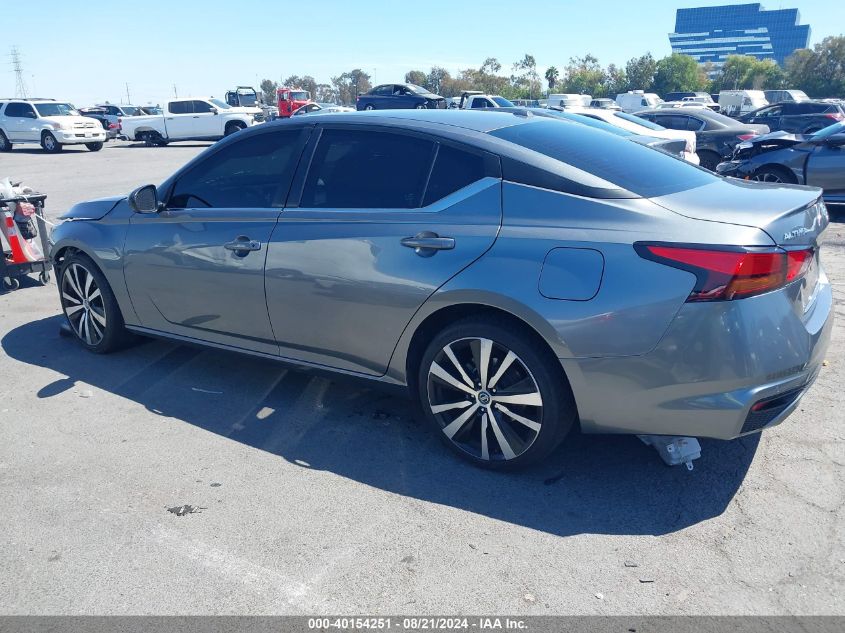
<point x="17" y="67"/>
<point x="128" y="100"/>
<point x="175" y="93"/>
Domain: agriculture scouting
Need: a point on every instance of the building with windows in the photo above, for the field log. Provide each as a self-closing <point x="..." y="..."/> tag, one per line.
<point x="710" y="34"/>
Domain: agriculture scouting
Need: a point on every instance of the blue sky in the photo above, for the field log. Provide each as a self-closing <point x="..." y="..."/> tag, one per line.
<point x="207" y="46"/>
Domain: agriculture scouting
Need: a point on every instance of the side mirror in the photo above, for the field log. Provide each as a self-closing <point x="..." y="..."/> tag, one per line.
<point x="144" y="199"/>
<point x="213" y="110"/>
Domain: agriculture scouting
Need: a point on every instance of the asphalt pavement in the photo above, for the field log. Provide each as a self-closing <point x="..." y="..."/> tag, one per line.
<point x="166" y="479"/>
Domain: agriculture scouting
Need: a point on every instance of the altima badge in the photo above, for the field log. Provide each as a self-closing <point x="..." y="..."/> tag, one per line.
<point x="798" y="231"/>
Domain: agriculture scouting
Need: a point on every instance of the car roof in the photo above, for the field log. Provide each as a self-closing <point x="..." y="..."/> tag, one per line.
<point x="465" y="119"/>
<point x="702" y="113"/>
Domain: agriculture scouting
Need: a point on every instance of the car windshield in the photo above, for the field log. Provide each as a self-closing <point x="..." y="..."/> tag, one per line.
<point x="131" y="110"/>
<point x="247" y="99"/>
<point x="300" y="95"/>
<point x="830" y="130"/>
<point x="220" y="104"/>
<point x="653" y="101"/>
<point x="630" y="166"/>
<point x="56" y="109"/>
<point x="590" y="122"/>
<point x="635" y="119"/>
<point x="503" y="102"/>
<point x="418" y="89"/>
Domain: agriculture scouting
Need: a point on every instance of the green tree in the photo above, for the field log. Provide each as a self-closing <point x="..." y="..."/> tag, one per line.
<point x="527" y="82"/>
<point x="552" y="75"/>
<point x="268" y="88"/>
<point x="326" y="93"/>
<point x="640" y="72"/>
<point x="737" y="73"/>
<point x="351" y="84"/>
<point x="436" y="79"/>
<point x="819" y="72"/>
<point x="307" y="82"/>
<point x="615" y="81"/>
<point x="677" y="73"/>
<point x="416" y="77"/>
<point x="584" y="75"/>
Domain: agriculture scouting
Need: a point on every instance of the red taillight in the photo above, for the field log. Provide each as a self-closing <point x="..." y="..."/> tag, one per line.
<point x="723" y="275"/>
<point x="836" y="116"/>
<point x="747" y="137"/>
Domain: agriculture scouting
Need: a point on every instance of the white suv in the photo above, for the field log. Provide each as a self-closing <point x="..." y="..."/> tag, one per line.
<point x="51" y="123"/>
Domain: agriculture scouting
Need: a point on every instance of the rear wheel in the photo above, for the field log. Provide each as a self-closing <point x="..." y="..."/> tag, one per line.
<point x="90" y="307"/>
<point x="494" y="395"/>
<point x="708" y="159"/>
<point x="369" y="106"/>
<point x="420" y="106"/>
<point x="49" y="143"/>
<point x="775" y="174"/>
<point x="5" y="144"/>
<point x="94" y="147"/>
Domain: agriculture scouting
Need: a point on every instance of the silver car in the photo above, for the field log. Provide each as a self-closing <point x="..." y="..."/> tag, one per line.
<point x="519" y="275"/>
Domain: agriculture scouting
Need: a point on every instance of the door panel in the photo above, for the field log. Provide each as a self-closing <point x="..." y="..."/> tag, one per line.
<point x="826" y="169"/>
<point x="205" y="122"/>
<point x="183" y="280"/>
<point x="341" y="287"/>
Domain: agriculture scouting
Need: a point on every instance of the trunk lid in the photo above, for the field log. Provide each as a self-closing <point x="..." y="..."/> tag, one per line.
<point x="791" y="215"/>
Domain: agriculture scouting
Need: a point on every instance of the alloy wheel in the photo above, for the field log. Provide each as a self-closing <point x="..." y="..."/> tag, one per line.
<point x="49" y="143"/>
<point x="768" y="176"/>
<point x="83" y="304"/>
<point x="485" y="399"/>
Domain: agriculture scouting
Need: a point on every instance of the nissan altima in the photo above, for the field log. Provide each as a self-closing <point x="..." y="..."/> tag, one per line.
<point x="518" y="275"/>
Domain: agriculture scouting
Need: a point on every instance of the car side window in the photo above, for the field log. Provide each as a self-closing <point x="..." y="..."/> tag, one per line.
<point x="358" y="169"/>
<point x="694" y="125"/>
<point x="13" y="109"/>
<point x="179" y="107"/>
<point x="252" y="173"/>
<point x="384" y="90"/>
<point x="201" y="107"/>
<point x="453" y="170"/>
<point x="479" y="103"/>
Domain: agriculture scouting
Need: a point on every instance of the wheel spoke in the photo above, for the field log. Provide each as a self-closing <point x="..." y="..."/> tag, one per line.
<point x="86" y="329"/>
<point x="73" y="309"/>
<point x="451" y="354"/>
<point x="506" y="449"/>
<point x="442" y="408"/>
<point x="531" y="399"/>
<point x="97" y="331"/>
<point x="458" y="423"/>
<point x="484" y="366"/>
<point x="72" y="282"/>
<point x="442" y="374"/>
<point x="507" y="362"/>
<point x="531" y="424"/>
<point x="485" y="452"/>
<point x="94" y="295"/>
<point x="97" y="316"/>
<point x="80" y="330"/>
<point x="89" y="279"/>
<point x="70" y="298"/>
<point x="77" y="282"/>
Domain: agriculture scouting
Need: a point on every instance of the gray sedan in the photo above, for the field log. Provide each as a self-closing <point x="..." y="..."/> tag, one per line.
<point x="518" y="275"/>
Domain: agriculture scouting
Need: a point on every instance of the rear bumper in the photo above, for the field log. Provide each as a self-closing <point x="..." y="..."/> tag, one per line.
<point x="716" y="362"/>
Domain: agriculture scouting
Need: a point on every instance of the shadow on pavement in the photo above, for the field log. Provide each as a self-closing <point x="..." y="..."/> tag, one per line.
<point x="593" y="484"/>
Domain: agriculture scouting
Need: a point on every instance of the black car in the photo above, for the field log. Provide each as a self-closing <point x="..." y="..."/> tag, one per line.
<point x="716" y="135"/>
<point x="817" y="160"/>
<point x="805" y="117"/>
<point x="400" y="97"/>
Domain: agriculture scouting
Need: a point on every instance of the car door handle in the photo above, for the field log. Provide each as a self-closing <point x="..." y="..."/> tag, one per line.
<point x="428" y="243"/>
<point x="243" y="246"/>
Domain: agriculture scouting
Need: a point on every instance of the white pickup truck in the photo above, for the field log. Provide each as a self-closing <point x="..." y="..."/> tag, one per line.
<point x="188" y="119"/>
<point x="474" y="100"/>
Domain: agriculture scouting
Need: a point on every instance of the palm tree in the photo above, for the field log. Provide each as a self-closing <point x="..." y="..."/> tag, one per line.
<point x="552" y="75"/>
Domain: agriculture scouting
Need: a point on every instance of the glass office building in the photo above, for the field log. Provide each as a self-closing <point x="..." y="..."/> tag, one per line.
<point x="710" y="34"/>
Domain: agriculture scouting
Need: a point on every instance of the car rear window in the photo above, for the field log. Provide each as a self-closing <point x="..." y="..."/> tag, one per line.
<point x="629" y="166"/>
<point x="453" y="169"/>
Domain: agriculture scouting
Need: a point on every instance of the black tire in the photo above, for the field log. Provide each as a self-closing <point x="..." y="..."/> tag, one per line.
<point x="94" y="147"/>
<point x="11" y="283"/>
<point x="50" y="144"/>
<point x="421" y="106"/>
<point x="5" y="144"/>
<point x="369" y="106"/>
<point x="775" y="174"/>
<point x="518" y="431"/>
<point x="234" y="127"/>
<point x="709" y="160"/>
<point x="104" y="330"/>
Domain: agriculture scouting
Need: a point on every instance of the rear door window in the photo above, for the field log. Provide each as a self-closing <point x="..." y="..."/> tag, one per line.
<point x="179" y="107"/>
<point x="364" y="169"/>
<point x="253" y="173"/>
<point x="453" y="170"/>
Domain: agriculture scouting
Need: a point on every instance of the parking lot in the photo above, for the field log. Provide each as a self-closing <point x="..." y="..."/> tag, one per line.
<point x="313" y="496"/>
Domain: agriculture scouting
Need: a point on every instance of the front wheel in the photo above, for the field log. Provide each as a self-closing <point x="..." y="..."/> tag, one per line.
<point x="369" y="106"/>
<point x="421" y="106"/>
<point x="494" y="394"/>
<point x="233" y="128"/>
<point x="94" y="147"/>
<point x="50" y="144"/>
<point x="5" y="144"/>
<point x="90" y="306"/>
<point x="774" y="174"/>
